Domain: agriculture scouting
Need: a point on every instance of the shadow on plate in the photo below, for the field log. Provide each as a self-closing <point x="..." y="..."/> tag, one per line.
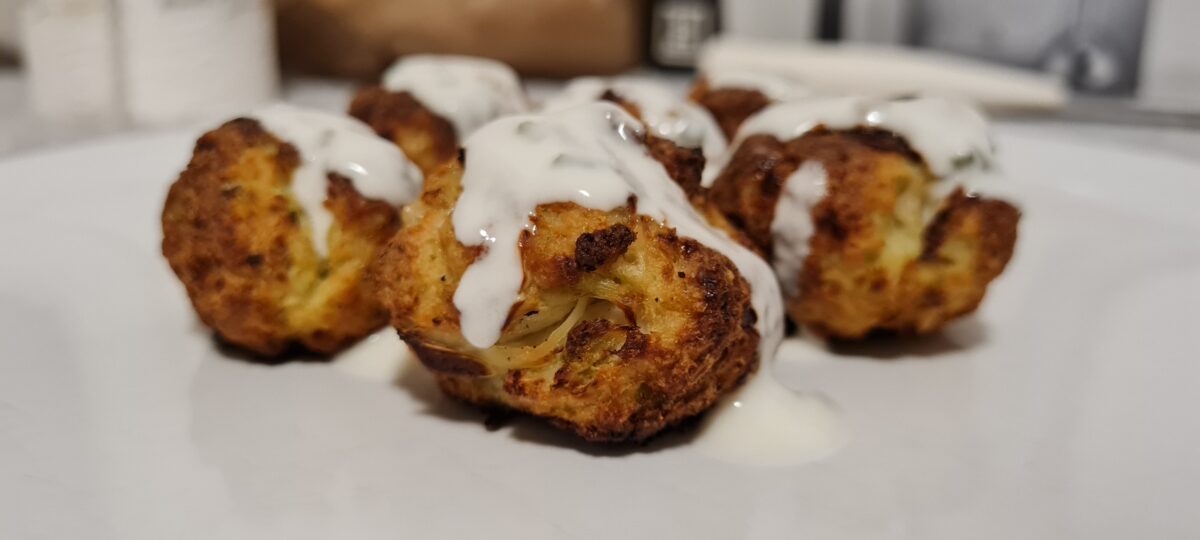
<point x="294" y="353"/>
<point x="537" y="431"/>
<point x="418" y="382"/>
<point x="958" y="337"/>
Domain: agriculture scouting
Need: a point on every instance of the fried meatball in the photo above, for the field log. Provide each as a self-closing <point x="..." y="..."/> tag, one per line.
<point x="426" y="138"/>
<point x="729" y="106"/>
<point x="428" y="104"/>
<point x="733" y="94"/>
<point x="622" y="328"/>
<point x="885" y="253"/>
<point x="241" y="245"/>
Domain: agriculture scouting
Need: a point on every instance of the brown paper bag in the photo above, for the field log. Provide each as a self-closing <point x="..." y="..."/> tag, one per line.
<point x="359" y="38"/>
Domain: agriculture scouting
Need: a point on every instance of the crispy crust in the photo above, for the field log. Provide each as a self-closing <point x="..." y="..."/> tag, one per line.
<point x="427" y="139"/>
<point x="595" y="249"/>
<point x="875" y="261"/>
<point x="729" y="106"/>
<point x="240" y="245"/>
<point x="685" y="166"/>
<point x="657" y="326"/>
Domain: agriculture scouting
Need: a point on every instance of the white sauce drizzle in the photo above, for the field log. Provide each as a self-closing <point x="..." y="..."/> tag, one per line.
<point x="764" y="423"/>
<point x="667" y="115"/>
<point x="589" y="155"/>
<point x="792" y="227"/>
<point x="944" y="132"/>
<point x="378" y="358"/>
<point x="340" y="144"/>
<point x="467" y="91"/>
<point x="776" y="86"/>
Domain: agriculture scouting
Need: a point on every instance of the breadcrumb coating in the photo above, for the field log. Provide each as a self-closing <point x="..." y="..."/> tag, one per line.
<point x="241" y="245"/>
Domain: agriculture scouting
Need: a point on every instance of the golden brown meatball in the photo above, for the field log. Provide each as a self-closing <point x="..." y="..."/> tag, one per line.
<point x="876" y="260"/>
<point x="729" y="106"/>
<point x="622" y="328"/>
<point x="426" y="138"/>
<point x="239" y="242"/>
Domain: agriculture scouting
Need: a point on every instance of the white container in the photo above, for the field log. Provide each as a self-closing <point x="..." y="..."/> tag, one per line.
<point x="1170" y="71"/>
<point x="71" y="61"/>
<point x="777" y="20"/>
<point x="196" y="60"/>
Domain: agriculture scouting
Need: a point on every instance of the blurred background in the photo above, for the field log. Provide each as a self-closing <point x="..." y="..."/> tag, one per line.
<point x="74" y="69"/>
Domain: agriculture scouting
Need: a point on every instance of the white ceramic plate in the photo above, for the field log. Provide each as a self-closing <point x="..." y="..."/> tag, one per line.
<point x="1067" y="407"/>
